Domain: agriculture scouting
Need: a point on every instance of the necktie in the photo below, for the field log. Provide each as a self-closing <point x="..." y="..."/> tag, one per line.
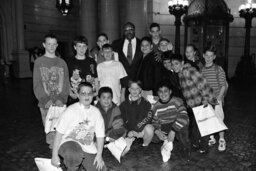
<point x="129" y="52"/>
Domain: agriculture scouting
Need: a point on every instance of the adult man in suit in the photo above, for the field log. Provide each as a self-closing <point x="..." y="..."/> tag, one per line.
<point x="128" y="49"/>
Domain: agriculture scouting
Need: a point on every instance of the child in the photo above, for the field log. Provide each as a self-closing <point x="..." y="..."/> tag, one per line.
<point x="74" y="140"/>
<point x="192" y="58"/>
<point x="170" y="76"/>
<point x="165" y="45"/>
<point x="196" y="92"/>
<point x="215" y="76"/>
<point x="110" y="73"/>
<point x="150" y="71"/>
<point x="50" y="78"/>
<point x="81" y="68"/>
<point x="111" y="114"/>
<point x="97" y="53"/>
<point x="137" y="115"/>
<point x="170" y="119"/>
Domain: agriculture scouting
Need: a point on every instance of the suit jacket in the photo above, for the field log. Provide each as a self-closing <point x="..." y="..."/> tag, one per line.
<point x="132" y="69"/>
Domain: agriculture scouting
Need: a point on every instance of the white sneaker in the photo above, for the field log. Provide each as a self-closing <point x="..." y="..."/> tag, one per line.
<point x="166" y="150"/>
<point x="222" y="145"/>
<point x="212" y="141"/>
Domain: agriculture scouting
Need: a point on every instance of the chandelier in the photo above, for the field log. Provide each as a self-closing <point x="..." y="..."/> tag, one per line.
<point x="64" y="6"/>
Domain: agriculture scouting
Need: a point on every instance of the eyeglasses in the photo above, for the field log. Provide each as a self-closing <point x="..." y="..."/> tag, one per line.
<point x="86" y="94"/>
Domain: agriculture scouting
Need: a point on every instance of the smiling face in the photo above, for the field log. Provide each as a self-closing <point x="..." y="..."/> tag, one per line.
<point x="167" y="64"/>
<point x="135" y="90"/>
<point x="50" y="45"/>
<point x="129" y="32"/>
<point x="209" y="57"/>
<point x="105" y="100"/>
<point x="177" y="65"/>
<point x="80" y="49"/>
<point x="163" y="46"/>
<point x="108" y="54"/>
<point x="155" y="32"/>
<point x="102" y="40"/>
<point x="146" y="47"/>
<point x="190" y="53"/>
<point x="164" y="93"/>
<point x="85" y="95"/>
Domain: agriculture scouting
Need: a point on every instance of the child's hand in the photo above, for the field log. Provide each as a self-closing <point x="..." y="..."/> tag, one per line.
<point x="99" y="162"/>
<point x="161" y="135"/>
<point x="131" y="134"/>
<point x="171" y="135"/>
<point x="48" y="104"/>
<point x="55" y="161"/>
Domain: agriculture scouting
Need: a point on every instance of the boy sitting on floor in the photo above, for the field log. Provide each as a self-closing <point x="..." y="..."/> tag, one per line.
<point x="170" y="118"/>
<point x="137" y="115"/>
<point x="111" y="114"/>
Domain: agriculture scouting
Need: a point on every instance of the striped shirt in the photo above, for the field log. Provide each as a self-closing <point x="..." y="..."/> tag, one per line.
<point x="210" y="74"/>
<point x="173" y="112"/>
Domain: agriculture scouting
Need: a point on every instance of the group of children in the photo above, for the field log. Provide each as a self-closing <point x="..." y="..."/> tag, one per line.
<point x="176" y="85"/>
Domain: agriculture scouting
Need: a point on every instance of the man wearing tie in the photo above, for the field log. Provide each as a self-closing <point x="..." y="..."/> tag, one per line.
<point x="128" y="49"/>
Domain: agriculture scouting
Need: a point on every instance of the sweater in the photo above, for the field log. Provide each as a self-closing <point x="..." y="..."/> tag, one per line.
<point x="50" y="80"/>
<point x="136" y="114"/>
<point x="111" y="117"/>
<point x="172" y="112"/>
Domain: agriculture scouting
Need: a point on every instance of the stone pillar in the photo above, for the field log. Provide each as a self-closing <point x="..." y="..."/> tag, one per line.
<point x="21" y="64"/>
<point x="109" y="18"/>
<point x="136" y="12"/>
<point x="88" y="20"/>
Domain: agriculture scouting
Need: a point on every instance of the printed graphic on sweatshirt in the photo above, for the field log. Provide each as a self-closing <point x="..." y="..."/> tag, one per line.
<point x="83" y="133"/>
<point x="52" y="79"/>
<point x="76" y="79"/>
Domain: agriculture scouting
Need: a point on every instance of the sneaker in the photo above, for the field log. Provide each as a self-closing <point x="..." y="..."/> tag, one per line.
<point x="222" y="145"/>
<point x="166" y="150"/>
<point x="212" y="141"/>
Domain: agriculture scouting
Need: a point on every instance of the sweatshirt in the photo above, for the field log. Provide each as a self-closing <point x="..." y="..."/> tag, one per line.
<point x="50" y="80"/>
<point x="136" y="114"/>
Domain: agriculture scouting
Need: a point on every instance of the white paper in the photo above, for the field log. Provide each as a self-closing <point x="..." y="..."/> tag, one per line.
<point x="208" y="123"/>
<point x="44" y="164"/>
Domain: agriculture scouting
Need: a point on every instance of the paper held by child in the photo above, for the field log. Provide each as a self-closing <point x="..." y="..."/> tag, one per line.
<point x="207" y="121"/>
<point x="44" y="164"/>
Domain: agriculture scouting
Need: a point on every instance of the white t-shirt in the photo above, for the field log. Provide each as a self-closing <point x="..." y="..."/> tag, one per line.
<point x="109" y="75"/>
<point x="80" y="124"/>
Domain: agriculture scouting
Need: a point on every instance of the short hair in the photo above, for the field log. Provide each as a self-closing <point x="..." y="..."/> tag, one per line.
<point x="210" y="48"/>
<point x="107" y="46"/>
<point x="84" y="84"/>
<point x="129" y="24"/>
<point x="105" y="90"/>
<point x="166" y="84"/>
<point x="103" y="34"/>
<point x="50" y="35"/>
<point x="146" y="38"/>
<point x="80" y="39"/>
<point x="167" y="56"/>
<point x="177" y="57"/>
<point x="138" y="82"/>
<point x="192" y="45"/>
<point x="154" y="25"/>
<point x="164" y="39"/>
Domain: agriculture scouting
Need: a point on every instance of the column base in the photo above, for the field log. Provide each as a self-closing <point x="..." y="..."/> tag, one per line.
<point x="21" y="68"/>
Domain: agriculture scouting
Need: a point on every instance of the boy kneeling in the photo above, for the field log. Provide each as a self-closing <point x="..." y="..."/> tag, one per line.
<point x="170" y="118"/>
<point x="111" y="114"/>
<point x="75" y="129"/>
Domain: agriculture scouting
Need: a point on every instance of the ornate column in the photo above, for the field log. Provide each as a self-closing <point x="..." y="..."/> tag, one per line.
<point x="109" y="18"/>
<point x="21" y="65"/>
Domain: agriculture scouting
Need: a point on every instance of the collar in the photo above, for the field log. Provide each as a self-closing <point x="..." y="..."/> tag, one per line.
<point x="165" y="102"/>
<point x="138" y="100"/>
<point x="82" y="106"/>
<point x="132" y="41"/>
